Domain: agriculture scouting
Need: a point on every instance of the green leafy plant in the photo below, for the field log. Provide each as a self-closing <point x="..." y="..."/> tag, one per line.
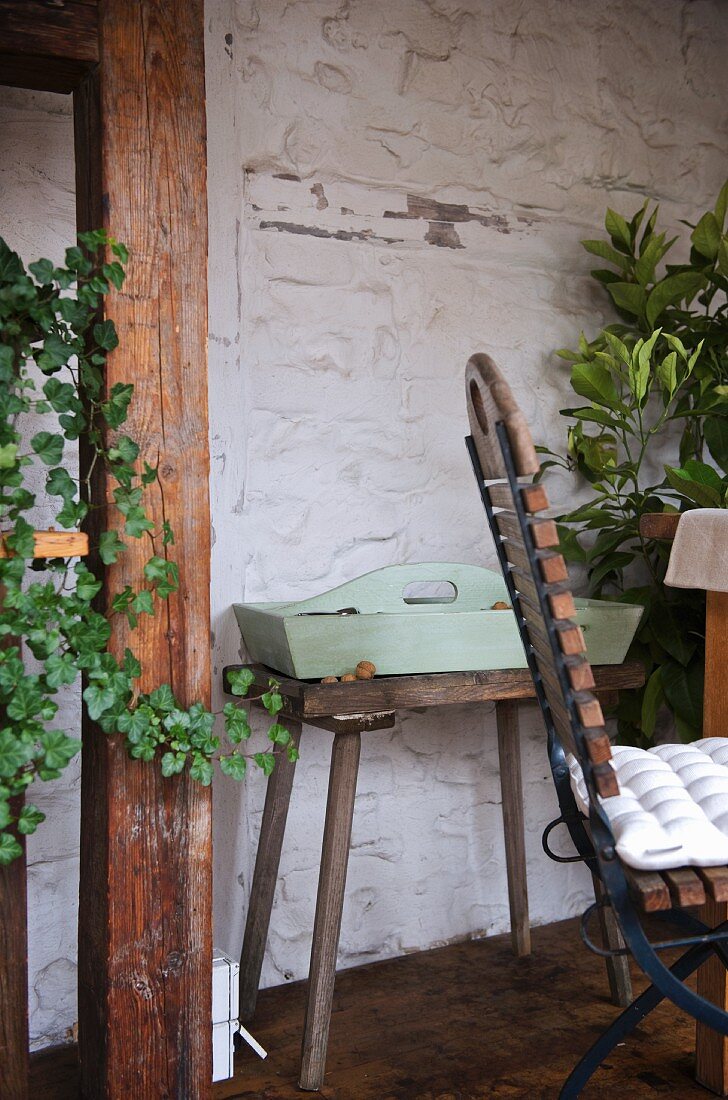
<point x="643" y="387"/>
<point x="49" y="318"/>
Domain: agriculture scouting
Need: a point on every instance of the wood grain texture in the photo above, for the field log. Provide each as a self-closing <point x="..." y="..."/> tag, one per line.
<point x="509" y="758"/>
<point x="686" y="888"/>
<point x="14" y="974"/>
<point x="309" y="700"/>
<point x="47" y="45"/>
<point x="13" y="955"/>
<point x="329" y="905"/>
<point x="711" y="1048"/>
<point x="620" y="982"/>
<point x="54" y="544"/>
<point x="265" y="876"/>
<point x="145" y="922"/>
<point x="490" y="401"/>
<point x="659" y="525"/>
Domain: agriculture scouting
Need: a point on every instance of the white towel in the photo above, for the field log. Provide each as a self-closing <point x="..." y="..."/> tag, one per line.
<point x="699" y="556"/>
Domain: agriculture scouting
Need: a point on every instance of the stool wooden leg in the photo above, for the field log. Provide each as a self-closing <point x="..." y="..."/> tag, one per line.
<point x="329" y="905"/>
<point x="267" y="860"/>
<point x="509" y="755"/>
<point x="620" y="981"/>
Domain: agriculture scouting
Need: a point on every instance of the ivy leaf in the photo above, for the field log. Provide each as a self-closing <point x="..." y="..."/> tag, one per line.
<point x="43" y="271"/>
<point x="55" y="354"/>
<point x="60" y="484"/>
<point x="292" y="752"/>
<point x="110" y="546"/>
<point x="278" y="734"/>
<point x="266" y="761"/>
<point x="132" y="667"/>
<point x="237" y="726"/>
<point x="60" y="669"/>
<point x="134" y="723"/>
<point x="29" y="819"/>
<point x="14" y="753"/>
<point x="162" y="699"/>
<point x="27" y="700"/>
<point x="137" y="523"/>
<point x="98" y="699"/>
<point x="7" y="455"/>
<point x="58" y="749"/>
<point x="143" y="602"/>
<point x="115" y="409"/>
<point x="124" y="450"/>
<point x="9" y="849"/>
<point x="234" y="765"/>
<point x="48" y="447"/>
<point x="173" y="763"/>
<point x="21" y="539"/>
<point x="167" y="534"/>
<point x="201" y="770"/>
<point x="272" y="702"/>
<point x="105" y="336"/>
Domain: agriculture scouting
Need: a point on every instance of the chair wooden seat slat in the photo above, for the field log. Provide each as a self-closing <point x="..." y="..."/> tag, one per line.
<point x="503" y="456"/>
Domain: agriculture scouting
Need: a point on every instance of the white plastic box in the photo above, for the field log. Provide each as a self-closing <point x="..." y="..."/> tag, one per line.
<point x="225" y="987"/>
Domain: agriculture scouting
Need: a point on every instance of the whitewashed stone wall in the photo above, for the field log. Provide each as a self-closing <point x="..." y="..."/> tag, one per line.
<point x="343" y="304"/>
<point x="411" y="179"/>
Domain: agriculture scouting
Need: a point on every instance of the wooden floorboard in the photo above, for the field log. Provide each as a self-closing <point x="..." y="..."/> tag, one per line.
<point x="465" y="1022"/>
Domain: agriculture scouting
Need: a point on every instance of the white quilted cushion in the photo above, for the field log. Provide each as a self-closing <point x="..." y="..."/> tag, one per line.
<point x="672" y="809"/>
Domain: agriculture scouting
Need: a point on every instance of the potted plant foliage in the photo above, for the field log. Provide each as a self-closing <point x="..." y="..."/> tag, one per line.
<point x="657" y="379"/>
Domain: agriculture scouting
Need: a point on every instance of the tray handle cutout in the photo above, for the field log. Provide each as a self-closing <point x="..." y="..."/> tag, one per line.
<point x="430" y="592"/>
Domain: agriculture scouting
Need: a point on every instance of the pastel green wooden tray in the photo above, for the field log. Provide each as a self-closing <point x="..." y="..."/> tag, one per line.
<point x="307" y="640"/>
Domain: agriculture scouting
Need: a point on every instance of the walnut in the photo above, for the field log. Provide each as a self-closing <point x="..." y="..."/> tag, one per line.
<point x="500" y="605"/>
<point x="365" y="670"/>
<point x="330" y="680"/>
<point x="348" y="677"/>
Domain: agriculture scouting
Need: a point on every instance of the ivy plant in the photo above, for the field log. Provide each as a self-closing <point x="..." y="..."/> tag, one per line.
<point x="656" y="379"/>
<point x="53" y="351"/>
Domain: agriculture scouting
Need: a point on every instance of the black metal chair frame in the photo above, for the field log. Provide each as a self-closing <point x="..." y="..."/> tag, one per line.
<point x="599" y="851"/>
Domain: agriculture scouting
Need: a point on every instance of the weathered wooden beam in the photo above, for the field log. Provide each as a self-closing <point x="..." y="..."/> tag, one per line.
<point x="145" y="907"/>
<point x="48" y="45"/>
<point x="55" y="544"/>
<point x="14" y="975"/>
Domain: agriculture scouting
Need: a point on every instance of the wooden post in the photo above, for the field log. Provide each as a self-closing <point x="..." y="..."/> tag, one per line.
<point x="145" y="906"/>
<point x="14" y="975"/>
<point x="711" y="1058"/>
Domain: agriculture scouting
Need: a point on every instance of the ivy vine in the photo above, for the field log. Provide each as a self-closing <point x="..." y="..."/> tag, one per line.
<point x="53" y="351"/>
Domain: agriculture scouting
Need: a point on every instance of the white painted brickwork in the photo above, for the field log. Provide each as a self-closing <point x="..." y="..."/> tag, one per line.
<point x="343" y="305"/>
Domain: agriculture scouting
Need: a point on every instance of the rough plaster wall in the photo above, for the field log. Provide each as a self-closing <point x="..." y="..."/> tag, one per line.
<point x="410" y="180"/>
<point x="37" y="218"/>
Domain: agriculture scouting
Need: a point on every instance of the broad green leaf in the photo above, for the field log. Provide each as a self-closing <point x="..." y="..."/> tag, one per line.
<point x="720" y="205"/>
<point x="706" y="236"/>
<point x="628" y="296"/>
<point x="671" y="290"/>
<point x="272" y="702"/>
<point x="683" y="689"/>
<point x="606" y="252"/>
<point x="594" y="382"/>
<point x="652" y="700"/>
<point x="618" y="230"/>
<point x="173" y="763"/>
<point x="715" y="430"/>
<point x="202" y="771"/>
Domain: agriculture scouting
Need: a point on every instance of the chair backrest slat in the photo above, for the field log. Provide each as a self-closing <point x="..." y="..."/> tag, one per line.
<point x="536" y="572"/>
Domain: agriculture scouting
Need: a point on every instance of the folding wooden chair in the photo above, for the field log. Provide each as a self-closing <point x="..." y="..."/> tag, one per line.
<point x="642" y="821"/>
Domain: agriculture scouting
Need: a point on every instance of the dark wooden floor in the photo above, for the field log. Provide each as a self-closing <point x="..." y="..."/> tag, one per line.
<point x="468" y="1022"/>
